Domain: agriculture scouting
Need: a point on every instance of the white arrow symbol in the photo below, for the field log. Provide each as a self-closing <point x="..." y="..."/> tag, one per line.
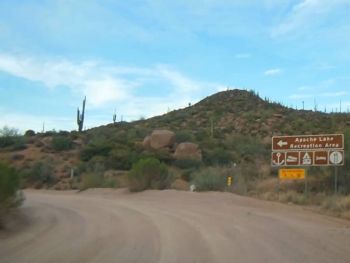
<point x="282" y="143"/>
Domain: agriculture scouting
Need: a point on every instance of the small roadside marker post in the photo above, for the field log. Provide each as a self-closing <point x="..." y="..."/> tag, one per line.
<point x="229" y="181"/>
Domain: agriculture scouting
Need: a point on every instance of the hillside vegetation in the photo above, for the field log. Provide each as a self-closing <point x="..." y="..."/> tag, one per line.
<point x="233" y="129"/>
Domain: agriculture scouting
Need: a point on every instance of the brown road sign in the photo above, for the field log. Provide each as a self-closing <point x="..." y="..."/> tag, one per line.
<point x="278" y="158"/>
<point x="308" y="142"/>
<point x="292" y="158"/>
<point x="321" y="157"/>
<point x="291" y="174"/>
<point x="306" y="158"/>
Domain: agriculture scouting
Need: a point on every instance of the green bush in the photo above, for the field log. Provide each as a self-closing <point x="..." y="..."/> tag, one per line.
<point x="29" y="133"/>
<point x="61" y="143"/>
<point x="218" y="156"/>
<point x="91" y="180"/>
<point x="209" y="179"/>
<point x="149" y="173"/>
<point x="187" y="163"/>
<point x="100" y="147"/>
<point x="187" y="174"/>
<point x="11" y="137"/>
<point x="183" y="136"/>
<point x="41" y="173"/>
<point x="9" y="184"/>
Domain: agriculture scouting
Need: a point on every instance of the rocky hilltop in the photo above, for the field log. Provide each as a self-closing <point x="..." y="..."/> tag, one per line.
<point x="233" y="126"/>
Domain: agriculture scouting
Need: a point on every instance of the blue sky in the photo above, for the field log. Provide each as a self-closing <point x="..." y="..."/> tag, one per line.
<point x="142" y="58"/>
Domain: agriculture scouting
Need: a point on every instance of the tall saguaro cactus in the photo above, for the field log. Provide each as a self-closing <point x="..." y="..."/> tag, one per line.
<point x="80" y="117"/>
<point x="114" y="117"/>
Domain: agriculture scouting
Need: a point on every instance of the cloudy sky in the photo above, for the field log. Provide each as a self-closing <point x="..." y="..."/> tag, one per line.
<point x="143" y="58"/>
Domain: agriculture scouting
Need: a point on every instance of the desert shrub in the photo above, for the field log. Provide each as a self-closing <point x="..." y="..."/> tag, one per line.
<point x="149" y="173"/>
<point x="100" y="147"/>
<point x="40" y="174"/>
<point x="6" y="141"/>
<point x="91" y="180"/>
<point x="49" y="133"/>
<point x="11" y="137"/>
<point x="248" y="146"/>
<point x="64" y="133"/>
<point x="187" y="163"/>
<point x="187" y="174"/>
<point x="8" y="132"/>
<point x="337" y="205"/>
<point x="9" y="185"/>
<point x="202" y="135"/>
<point x="19" y="144"/>
<point x="218" y="156"/>
<point x="292" y="197"/>
<point x="121" y="159"/>
<point x="29" y="133"/>
<point x="61" y="143"/>
<point x="183" y="136"/>
<point x="110" y="183"/>
<point x="17" y="157"/>
<point x="209" y="179"/>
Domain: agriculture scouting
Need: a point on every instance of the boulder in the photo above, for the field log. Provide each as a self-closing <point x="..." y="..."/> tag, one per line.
<point x="161" y="139"/>
<point x="188" y="150"/>
<point x="147" y="142"/>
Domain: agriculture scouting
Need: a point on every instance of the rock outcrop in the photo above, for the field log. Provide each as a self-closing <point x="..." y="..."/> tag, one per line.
<point x="159" y="139"/>
<point x="188" y="150"/>
<point x="147" y="142"/>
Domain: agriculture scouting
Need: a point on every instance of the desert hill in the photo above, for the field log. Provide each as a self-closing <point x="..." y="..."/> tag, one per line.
<point x="233" y="126"/>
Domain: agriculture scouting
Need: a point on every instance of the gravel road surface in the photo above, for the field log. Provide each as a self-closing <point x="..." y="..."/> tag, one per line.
<point x="105" y="225"/>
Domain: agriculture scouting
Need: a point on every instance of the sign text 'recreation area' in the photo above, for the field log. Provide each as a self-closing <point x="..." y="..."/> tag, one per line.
<point x="308" y="150"/>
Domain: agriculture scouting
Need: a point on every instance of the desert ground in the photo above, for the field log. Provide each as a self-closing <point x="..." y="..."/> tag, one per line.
<point x="169" y="226"/>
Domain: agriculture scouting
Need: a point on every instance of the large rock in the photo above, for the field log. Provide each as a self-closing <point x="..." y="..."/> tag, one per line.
<point x="161" y="139"/>
<point x="188" y="150"/>
<point x="147" y="142"/>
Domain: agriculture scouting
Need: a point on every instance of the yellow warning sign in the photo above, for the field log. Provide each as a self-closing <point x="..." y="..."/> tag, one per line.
<point x="291" y="174"/>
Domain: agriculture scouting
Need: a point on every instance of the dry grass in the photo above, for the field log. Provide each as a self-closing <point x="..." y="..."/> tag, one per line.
<point x="180" y="184"/>
<point x="337" y="205"/>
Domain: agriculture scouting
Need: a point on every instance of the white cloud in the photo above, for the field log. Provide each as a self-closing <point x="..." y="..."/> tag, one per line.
<point x="306" y="14"/>
<point x="272" y="72"/>
<point x="88" y="77"/>
<point x="178" y="80"/>
<point x="130" y="88"/>
<point x="24" y="121"/>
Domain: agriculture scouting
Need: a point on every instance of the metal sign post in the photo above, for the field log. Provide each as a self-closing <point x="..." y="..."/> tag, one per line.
<point x="335" y="180"/>
<point x="306" y="189"/>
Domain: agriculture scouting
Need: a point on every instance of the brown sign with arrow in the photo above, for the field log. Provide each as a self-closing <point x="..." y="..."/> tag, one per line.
<point x="308" y="142"/>
<point x="308" y="150"/>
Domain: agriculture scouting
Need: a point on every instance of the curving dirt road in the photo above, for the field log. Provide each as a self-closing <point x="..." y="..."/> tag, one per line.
<point x="170" y="226"/>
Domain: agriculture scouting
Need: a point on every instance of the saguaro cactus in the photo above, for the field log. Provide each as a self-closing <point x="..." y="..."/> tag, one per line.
<point x="80" y="117"/>
<point x="114" y="117"/>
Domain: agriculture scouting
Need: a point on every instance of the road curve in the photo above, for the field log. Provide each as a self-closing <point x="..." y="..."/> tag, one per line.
<point x="170" y="226"/>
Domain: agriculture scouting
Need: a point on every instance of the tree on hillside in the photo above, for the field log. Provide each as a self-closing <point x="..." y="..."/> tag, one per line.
<point x="8" y="136"/>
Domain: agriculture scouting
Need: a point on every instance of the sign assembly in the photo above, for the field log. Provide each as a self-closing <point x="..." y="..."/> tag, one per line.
<point x="308" y="150"/>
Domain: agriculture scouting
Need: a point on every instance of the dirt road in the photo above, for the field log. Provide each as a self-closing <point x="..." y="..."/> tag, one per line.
<point x="171" y="226"/>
